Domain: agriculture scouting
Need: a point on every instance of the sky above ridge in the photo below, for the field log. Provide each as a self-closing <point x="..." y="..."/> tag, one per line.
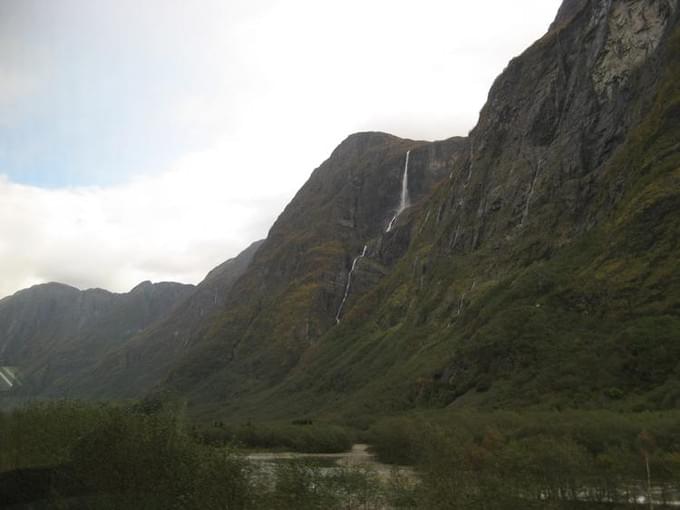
<point x="152" y="140"/>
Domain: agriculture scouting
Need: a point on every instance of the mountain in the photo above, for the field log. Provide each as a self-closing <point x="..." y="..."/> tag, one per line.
<point x="137" y="366"/>
<point x="53" y="332"/>
<point x="298" y="272"/>
<point x="534" y="263"/>
<point x="536" y="266"/>
<point x="289" y="297"/>
<point x="97" y="344"/>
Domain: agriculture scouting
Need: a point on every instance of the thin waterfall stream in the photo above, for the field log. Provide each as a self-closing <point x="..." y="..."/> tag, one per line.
<point x="404" y="202"/>
<point x="349" y="283"/>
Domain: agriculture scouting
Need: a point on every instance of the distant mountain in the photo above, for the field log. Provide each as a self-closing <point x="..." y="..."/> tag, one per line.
<point x="52" y="332"/>
<point x="63" y="342"/>
<point x="138" y="365"/>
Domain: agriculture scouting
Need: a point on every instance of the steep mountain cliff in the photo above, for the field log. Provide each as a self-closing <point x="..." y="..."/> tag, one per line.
<point x="292" y="294"/>
<point x="541" y="270"/>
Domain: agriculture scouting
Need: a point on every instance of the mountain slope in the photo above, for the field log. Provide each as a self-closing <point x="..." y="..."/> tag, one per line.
<point x="541" y="272"/>
<point x="290" y="296"/>
<point x="96" y="344"/>
<point x="136" y="366"/>
<point x="546" y="273"/>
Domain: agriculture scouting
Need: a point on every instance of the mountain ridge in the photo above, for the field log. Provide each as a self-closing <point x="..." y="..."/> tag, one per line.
<point x="50" y="330"/>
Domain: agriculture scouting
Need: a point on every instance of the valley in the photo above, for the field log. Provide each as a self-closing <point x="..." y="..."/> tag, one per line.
<point x="489" y="321"/>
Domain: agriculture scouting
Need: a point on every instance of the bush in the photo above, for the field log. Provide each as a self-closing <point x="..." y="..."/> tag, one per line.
<point x="317" y="438"/>
<point x="116" y="458"/>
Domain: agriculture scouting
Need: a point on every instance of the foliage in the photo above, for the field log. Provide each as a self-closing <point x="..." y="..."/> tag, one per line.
<point x="74" y="455"/>
<point x="311" y="438"/>
<point x="510" y="460"/>
<point x="126" y="459"/>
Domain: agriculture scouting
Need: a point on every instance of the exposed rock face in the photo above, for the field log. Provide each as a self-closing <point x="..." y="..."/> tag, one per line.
<point x="553" y="118"/>
<point x="53" y="331"/>
<point x="633" y="32"/>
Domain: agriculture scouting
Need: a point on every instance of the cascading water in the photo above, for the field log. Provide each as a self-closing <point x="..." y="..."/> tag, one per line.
<point x="404" y="202"/>
<point x="349" y="283"/>
<point x="532" y="187"/>
<point x="7" y="374"/>
<point x="472" y="162"/>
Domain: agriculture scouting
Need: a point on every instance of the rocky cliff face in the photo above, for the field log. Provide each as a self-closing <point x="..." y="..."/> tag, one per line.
<point x="553" y="119"/>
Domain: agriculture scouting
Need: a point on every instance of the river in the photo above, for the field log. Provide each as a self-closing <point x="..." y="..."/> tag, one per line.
<point x="358" y="457"/>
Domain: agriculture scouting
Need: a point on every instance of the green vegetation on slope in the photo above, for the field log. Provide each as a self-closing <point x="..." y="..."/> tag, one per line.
<point x="592" y="322"/>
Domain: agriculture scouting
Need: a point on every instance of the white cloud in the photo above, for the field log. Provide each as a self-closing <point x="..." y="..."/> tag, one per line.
<point x="258" y="92"/>
<point x="173" y="226"/>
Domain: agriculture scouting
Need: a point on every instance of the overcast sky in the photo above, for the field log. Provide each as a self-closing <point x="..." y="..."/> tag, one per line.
<point x="154" y="139"/>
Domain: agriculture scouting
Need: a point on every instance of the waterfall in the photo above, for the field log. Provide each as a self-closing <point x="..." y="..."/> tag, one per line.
<point x="349" y="283"/>
<point x="404" y="202"/>
<point x="7" y="374"/>
<point x="463" y="296"/>
<point x="530" y="193"/>
<point x="460" y="304"/>
<point x="4" y="378"/>
<point x="472" y="159"/>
